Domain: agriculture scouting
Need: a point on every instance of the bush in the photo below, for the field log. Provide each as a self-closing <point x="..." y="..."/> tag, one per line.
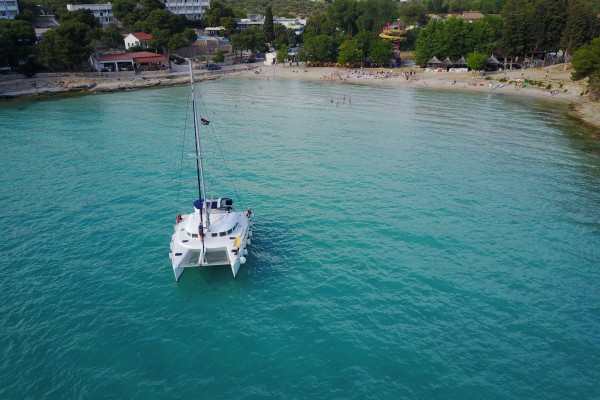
<point x="219" y="57"/>
<point x="29" y="69"/>
<point x="586" y="61"/>
<point x="476" y="61"/>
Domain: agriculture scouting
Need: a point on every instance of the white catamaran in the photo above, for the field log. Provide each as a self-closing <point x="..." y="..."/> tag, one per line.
<point x="214" y="233"/>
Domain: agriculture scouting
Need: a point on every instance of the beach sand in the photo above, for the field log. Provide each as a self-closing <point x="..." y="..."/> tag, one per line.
<point x="500" y="83"/>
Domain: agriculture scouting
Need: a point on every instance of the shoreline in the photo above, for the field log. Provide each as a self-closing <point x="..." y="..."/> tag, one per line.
<point x="508" y="83"/>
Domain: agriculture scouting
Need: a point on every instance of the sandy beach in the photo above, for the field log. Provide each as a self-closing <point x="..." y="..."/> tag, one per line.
<point x="551" y="84"/>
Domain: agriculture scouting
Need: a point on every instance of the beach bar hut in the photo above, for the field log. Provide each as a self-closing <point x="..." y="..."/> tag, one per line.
<point x="434" y="62"/>
<point x="447" y="63"/>
<point x="492" y="63"/>
<point x="460" y="63"/>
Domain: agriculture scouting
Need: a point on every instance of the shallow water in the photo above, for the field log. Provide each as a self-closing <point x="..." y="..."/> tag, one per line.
<point x="411" y="244"/>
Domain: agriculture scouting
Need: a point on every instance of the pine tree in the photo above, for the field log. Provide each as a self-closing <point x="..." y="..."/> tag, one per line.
<point x="269" y="27"/>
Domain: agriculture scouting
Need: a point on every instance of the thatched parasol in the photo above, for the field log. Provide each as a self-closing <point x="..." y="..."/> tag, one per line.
<point x="447" y="62"/>
<point x="492" y="60"/>
<point x="434" y="61"/>
<point x="460" y="62"/>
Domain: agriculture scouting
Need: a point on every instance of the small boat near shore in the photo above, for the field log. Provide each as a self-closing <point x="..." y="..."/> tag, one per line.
<point x="214" y="233"/>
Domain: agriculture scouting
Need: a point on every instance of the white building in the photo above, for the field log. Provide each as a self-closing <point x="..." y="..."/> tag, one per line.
<point x="137" y="39"/>
<point x="8" y="9"/>
<point x="191" y="9"/>
<point x="292" y="23"/>
<point x="258" y="21"/>
<point x="137" y="61"/>
<point x="253" y="21"/>
<point x="103" y="12"/>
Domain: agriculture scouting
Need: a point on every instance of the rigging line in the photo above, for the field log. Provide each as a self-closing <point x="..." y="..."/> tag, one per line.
<point x="232" y="183"/>
<point x="182" y="151"/>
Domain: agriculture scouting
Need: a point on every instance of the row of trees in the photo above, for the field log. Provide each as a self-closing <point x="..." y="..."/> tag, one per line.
<point x="543" y="26"/>
<point x="524" y="28"/>
<point x="449" y="6"/>
<point x="455" y="38"/>
<point x="345" y="31"/>
<point x="64" y="47"/>
<point x="67" y="46"/>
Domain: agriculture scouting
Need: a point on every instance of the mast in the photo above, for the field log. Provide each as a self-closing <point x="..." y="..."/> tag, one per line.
<point x="199" y="166"/>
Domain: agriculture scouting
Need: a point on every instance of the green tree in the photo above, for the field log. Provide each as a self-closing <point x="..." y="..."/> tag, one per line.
<point x="318" y="24"/>
<point x="484" y="34"/>
<point x="443" y="39"/>
<point x="17" y="40"/>
<point x="28" y="11"/>
<point x="556" y="15"/>
<point x="343" y="15"/>
<point x="364" y="40"/>
<point x="83" y="15"/>
<point x="586" y="61"/>
<point x="111" y="37"/>
<point x="350" y="52"/>
<point x="476" y="61"/>
<point x="381" y="51"/>
<point x="514" y="35"/>
<point x="282" y="53"/>
<point x="218" y="10"/>
<point x="427" y="43"/>
<point x="161" y="39"/>
<point x="124" y="11"/>
<point x="318" y="48"/>
<point x="53" y="50"/>
<point x="230" y="24"/>
<point x="268" y="26"/>
<point x="219" y="56"/>
<point x="375" y="14"/>
<point x="582" y="25"/>
<point x="413" y="12"/>
<point x="66" y="47"/>
<point x="252" y="39"/>
<point x="152" y="5"/>
<point x="163" y="19"/>
<point x="455" y="34"/>
<point x="181" y="40"/>
<point x="290" y="37"/>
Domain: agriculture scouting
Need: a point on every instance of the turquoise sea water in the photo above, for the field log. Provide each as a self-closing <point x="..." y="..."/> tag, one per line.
<point x="409" y="245"/>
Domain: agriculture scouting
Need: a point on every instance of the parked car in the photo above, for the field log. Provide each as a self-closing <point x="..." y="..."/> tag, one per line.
<point x="176" y="59"/>
<point x="212" y="67"/>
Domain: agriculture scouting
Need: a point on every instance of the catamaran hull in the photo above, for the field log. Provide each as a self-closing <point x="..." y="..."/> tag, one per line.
<point x="190" y="253"/>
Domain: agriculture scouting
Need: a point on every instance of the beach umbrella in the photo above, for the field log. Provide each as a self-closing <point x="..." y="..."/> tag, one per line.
<point x="460" y="62"/>
<point x="434" y="61"/>
<point x="492" y="60"/>
<point x="447" y="62"/>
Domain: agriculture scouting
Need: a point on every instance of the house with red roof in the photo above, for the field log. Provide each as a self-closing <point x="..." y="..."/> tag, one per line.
<point x="136" y="61"/>
<point x="137" y="39"/>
